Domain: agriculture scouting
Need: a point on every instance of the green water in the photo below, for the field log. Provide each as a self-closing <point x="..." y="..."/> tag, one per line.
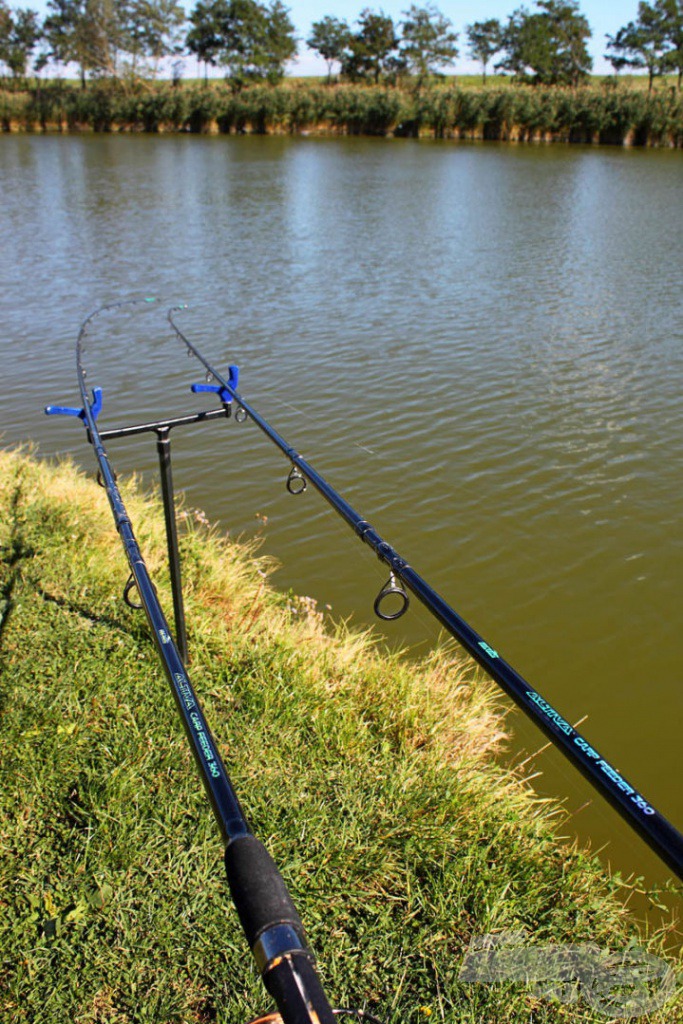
<point x="480" y="346"/>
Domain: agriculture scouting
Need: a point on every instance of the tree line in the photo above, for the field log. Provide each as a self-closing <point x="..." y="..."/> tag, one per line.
<point x="253" y="40"/>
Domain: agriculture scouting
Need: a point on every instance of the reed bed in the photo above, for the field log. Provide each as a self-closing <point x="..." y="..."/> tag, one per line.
<point x="603" y="115"/>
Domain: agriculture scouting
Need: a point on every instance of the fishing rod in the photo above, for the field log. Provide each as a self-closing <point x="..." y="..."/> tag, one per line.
<point x="650" y="824"/>
<point x="269" y="919"/>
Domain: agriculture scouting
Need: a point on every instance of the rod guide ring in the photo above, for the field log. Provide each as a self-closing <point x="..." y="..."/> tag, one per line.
<point x="131" y="585"/>
<point x="100" y="478"/>
<point x="296" y="481"/>
<point x="392" y="587"/>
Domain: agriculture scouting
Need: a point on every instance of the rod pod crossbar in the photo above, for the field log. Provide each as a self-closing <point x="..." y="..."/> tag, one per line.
<point x="650" y="824"/>
<point x="269" y="919"/>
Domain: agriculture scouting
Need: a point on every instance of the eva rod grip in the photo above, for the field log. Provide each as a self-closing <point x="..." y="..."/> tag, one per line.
<point x="257" y="889"/>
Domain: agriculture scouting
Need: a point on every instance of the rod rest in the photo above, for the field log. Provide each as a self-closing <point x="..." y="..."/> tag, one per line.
<point x="218" y="389"/>
<point x="65" y="410"/>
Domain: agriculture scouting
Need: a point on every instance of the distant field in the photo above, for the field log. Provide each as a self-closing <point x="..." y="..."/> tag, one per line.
<point x="492" y="81"/>
<point x="463" y="81"/>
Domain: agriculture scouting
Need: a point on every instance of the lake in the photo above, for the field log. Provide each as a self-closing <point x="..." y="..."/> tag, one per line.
<point x="480" y="345"/>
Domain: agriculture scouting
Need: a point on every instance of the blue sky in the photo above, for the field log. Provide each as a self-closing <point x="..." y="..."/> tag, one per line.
<point x="604" y="16"/>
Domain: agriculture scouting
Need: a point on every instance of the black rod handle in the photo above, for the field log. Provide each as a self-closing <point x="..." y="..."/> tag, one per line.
<point x="275" y="933"/>
<point x="258" y="890"/>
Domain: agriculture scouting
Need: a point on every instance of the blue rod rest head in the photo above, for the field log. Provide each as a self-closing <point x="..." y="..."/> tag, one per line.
<point x="218" y="389"/>
<point x="65" y="410"/>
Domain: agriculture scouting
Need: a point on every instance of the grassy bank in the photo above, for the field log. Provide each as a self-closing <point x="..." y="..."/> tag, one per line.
<point x="619" y="116"/>
<point x="371" y="781"/>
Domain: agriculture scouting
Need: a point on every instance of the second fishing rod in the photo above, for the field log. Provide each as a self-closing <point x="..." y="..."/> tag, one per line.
<point x="269" y="919"/>
<point x="663" y="837"/>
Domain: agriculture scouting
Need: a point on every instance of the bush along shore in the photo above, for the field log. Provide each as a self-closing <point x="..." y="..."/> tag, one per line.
<point x="608" y="115"/>
<point x="371" y="779"/>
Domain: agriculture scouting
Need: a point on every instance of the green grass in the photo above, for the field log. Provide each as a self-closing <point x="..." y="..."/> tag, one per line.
<point x="371" y="780"/>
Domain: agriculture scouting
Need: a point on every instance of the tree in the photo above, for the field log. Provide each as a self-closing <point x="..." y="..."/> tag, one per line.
<point x="428" y="42"/>
<point x="251" y="39"/>
<point x="263" y="42"/>
<point x="63" y="28"/>
<point x="641" y="44"/>
<point x="277" y="44"/>
<point x="485" y="39"/>
<point x="329" y="38"/>
<point x="87" y="32"/>
<point x="672" y="18"/>
<point x="104" y="33"/>
<point x="5" y="31"/>
<point x="19" y="32"/>
<point x="551" y="43"/>
<point x="527" y="46"/>
<point x="205" y="38"/>
<point x="370" y="49"/>
<point x="151" y="29"/>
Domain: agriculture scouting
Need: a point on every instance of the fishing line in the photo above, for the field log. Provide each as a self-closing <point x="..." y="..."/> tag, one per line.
<point x="275" y="396"/>
<point x="320" y="426"/>
<point x="652" y="826"/>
